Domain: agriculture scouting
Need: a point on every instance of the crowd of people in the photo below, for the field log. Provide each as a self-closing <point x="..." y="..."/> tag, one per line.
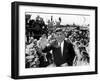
<point x="39" y="35"/>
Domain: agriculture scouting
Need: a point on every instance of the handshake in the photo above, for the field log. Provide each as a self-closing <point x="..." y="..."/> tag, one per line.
<point x="43" y="42"/>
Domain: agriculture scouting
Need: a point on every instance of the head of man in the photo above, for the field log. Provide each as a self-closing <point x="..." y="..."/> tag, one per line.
<point x="38" y="17"/>
<point x="59" y="35"/>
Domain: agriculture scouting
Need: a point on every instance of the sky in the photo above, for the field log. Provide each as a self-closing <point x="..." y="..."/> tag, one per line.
<point x="66" y="18"/>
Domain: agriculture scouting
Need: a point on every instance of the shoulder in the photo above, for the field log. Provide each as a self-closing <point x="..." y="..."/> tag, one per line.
<point x="67" y="41"/>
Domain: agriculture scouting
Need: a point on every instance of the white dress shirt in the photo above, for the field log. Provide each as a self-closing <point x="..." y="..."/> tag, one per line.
<point x="62" y="46"/>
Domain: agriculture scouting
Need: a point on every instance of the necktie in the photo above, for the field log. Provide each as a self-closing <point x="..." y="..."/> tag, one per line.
<point x="59" y="50"/>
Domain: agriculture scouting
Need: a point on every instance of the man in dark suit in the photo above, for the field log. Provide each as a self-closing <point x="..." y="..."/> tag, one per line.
<point x="62" y="49"/>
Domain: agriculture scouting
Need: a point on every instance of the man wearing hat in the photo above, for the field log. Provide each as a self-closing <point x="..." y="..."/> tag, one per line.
<point x="63" y="51"/>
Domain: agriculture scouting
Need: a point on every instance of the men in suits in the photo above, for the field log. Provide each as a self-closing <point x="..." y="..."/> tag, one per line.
<point x="63" y="52"/>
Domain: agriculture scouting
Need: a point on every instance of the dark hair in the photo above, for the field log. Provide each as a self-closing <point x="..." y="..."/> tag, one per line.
<point x="85" y="56"/>
<point x="77" y="43"/>
<point x="58" y="30"/>
<point x="82" y="48"/>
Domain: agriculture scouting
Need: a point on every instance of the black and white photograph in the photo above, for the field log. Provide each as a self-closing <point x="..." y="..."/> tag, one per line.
<point x="56" y="40"/>
<point x="51" y="40"/>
